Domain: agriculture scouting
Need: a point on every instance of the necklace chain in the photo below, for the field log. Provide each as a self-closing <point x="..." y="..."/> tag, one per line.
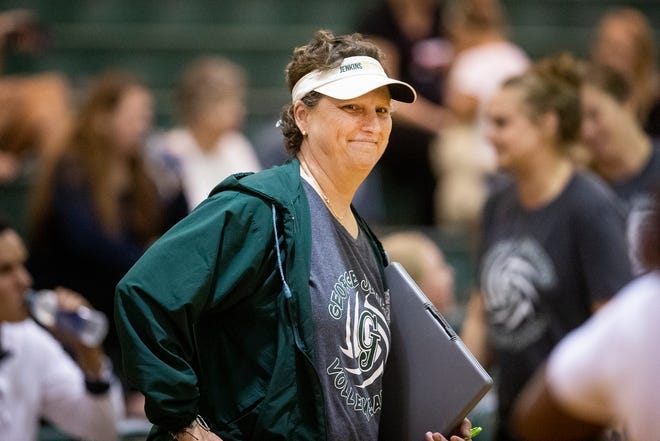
<point x="326" y="199"/>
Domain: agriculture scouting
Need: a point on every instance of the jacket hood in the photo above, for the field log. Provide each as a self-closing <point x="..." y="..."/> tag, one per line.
<point x="281" y="189"/>
<point x="269" y="184"/>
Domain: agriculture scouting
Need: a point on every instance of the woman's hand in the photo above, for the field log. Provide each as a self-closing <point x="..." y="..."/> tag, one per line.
<point x="197" y="431"/>
<point x="463" y="433"/>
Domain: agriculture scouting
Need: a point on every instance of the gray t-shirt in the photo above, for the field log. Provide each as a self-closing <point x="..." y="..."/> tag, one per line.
<point x="636" y="193"/>
<point x="350" y="310"/>
<point x="541" y="270"/>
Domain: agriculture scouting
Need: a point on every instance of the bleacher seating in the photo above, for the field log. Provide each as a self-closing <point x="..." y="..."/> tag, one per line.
<point x="156" y="37"/>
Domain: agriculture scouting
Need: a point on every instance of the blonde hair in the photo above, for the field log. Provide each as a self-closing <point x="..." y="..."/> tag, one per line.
<point x="474" y="14"/>
<point x="553" y="84"/>
<point x="410" y="248"/>
<point x="207" y="80"/>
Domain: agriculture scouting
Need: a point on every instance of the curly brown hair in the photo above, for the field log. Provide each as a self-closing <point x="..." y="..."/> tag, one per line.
<point x="322" y="52"/>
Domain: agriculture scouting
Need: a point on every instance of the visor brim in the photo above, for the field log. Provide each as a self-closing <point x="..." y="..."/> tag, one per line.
<point x="353" y="87"/>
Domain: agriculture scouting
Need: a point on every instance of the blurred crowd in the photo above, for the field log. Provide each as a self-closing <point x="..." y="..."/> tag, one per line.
<point x="548" y="165"/>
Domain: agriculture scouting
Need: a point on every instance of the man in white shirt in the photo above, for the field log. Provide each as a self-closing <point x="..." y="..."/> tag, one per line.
<point x="38" y="379"/>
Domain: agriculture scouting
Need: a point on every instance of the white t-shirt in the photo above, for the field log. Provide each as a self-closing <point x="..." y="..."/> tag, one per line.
<point x="608" y="370"/>
<point x="38" y="379"/>
<point x="201" y="171"/>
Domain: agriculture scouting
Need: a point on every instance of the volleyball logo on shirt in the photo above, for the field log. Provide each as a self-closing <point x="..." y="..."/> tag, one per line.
<point x="367" y="339"/>
<point x="513" y="274"/>
<point x="362" y="356"/>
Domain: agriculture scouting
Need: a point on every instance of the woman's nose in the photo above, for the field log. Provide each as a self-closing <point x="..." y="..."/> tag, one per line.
<point x="370" y="121"/>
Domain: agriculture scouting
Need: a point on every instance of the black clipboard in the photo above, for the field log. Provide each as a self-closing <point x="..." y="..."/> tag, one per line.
<point x="431" y="380"/>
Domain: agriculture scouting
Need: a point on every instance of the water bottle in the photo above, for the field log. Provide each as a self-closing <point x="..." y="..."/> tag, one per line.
<point x="87" y="325"/>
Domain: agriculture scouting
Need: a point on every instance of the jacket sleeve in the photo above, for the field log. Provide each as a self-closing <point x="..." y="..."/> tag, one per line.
<point x="195" y="266"/>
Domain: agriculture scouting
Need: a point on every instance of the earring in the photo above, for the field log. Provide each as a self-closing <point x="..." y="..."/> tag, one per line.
<point x="304" y="134"/>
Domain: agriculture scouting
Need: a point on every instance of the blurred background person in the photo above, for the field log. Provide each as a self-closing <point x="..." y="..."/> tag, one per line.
<point x="553" y="245"/>
<point x="412" y="37"/>
<point x="95" y="209"/>
<point x="35" y="117"/>
<point x="21" y="31"/>
<point x="463" y="158"/>
<point x="605" y="373"/>
<point x="426" y="264"/>
<point x="209" y="144"/>
<point x="624" y="40"/>
<point x="38" y="379"/>
<point x="622" y="153"/>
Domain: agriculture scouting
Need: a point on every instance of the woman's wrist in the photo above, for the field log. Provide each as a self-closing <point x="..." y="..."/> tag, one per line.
<point x="98" y="368"/>
<point x="97" y="381"/>
<point x="198" y="422"/>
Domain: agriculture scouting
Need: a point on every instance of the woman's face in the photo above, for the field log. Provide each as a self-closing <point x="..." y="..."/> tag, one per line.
<point x="348" y="134"/>
<point x="14" y="278"/>
<point x="227" y="113"/>
<point x="132" y="119"/>
<point x="615" y="47"/>
<point x="604" y="120"/>
<point x="514" y="135"/>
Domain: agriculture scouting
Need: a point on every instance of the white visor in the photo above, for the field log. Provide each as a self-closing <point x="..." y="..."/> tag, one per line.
<point x="354" y="77"/>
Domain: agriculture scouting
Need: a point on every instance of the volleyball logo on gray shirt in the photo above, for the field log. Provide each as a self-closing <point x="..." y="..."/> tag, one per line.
<point x="350" y="310"/>
<point x="361" y="355"/>
<point x="514" y="271"/>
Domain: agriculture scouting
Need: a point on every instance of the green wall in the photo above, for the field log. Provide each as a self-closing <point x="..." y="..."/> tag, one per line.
<point x="155" y="38"/>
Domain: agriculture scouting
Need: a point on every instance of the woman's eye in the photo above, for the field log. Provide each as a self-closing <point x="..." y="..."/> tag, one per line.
<point x="356" y="108"/>
<point x="498" y="122"/>
<point x="351" y="107"/>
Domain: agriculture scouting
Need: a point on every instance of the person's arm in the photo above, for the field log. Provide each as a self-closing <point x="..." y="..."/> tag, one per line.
<point x="196" y="431"/>
<point x="463" y="106"/>
<point x="423" y="113"/>
<point x="93" y="362"/>
<point x="538" y="416"/>
<point x="474" y="331"/>
<point x="198" y="263"/>
<point x="86" y="404"/>
<point x="602" y="248"/>
<point x="581" y="388"/>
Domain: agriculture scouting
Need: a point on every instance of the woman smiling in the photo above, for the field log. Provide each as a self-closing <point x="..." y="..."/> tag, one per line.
<point x="265" y="312"/>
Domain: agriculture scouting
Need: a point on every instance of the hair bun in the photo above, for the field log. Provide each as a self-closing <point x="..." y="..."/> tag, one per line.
<point x="562" y="68"/>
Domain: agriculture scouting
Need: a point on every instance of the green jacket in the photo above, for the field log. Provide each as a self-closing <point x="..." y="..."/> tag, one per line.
<point x="207" y="325"/>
